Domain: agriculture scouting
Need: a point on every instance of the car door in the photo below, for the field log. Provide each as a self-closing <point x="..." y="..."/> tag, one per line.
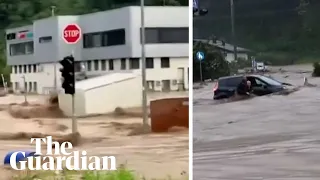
<point x="260" y="88"/>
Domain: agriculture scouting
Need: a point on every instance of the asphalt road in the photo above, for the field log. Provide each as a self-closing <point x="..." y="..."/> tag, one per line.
<point x="273" y="138"/>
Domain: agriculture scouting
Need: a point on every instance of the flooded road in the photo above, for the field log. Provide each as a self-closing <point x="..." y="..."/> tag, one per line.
<point x="153" y="156"/>
<point x="271" y="137"/>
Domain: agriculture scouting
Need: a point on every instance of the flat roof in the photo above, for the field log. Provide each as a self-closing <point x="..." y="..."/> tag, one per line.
<point x="104" y="80"/>
<point x="8" y="30"/>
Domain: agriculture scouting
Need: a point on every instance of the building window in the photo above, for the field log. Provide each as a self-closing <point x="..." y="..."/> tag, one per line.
<point x="77" y="66"/>
<point x="149" y="63"/>
<point x="20" y="69"/>
<point x="15" y="69"/>
<point x="21" y="48"/>
<point x="123" y="64"/>
<point x="11" y="36"/>
<point x="110" y="64"/>
<point x="103" y="65"/>
<point x="165" y="62"/>
<point x="29" y="68"/>
<point x="167" y="35"/>
<point x="35" y="88"/>
<point x="91" y="40"/>
<point x="16" y="86"/>
<point x="106" y="38"/>
<point x="45" y="39"/>
<point x="24" y="68"/>
<point x="34" y="68"/>
<point x="134" y="63"/>
<point x="25" y="88"/>
<point x="96" y="65"/>
<point x="30" y="87"/>
<point x="89" y="65"/>
<point x="114" y="37"/>
<point x="96" y="40"/>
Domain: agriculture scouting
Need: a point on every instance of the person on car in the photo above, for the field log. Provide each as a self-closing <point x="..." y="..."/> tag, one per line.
<point x="249" y="86"/>
<point x="243" y="87"/>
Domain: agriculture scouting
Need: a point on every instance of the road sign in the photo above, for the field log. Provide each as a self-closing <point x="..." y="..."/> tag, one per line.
<point x="200" y="56"/>
<point x="71" y="34"/>
<point x="195" y="4"/>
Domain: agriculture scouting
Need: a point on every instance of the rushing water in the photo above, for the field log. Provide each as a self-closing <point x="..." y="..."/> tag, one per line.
<point x="271" y="137"/>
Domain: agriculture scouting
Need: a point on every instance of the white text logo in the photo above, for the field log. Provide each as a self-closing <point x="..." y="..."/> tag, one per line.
<point x="60" y="157"/>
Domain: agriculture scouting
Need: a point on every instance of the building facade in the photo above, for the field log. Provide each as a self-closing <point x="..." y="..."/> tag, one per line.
<point x="227" y="49"/>
<point x="111" y="41"/>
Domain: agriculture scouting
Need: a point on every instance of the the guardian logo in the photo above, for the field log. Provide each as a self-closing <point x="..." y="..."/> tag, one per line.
<point x="62" y="157"/>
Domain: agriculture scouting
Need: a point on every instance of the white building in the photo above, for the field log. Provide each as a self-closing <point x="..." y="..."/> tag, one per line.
<point x="228" y="49"/>
<point x="103" y="94"/>
<point x="111" y="43"/>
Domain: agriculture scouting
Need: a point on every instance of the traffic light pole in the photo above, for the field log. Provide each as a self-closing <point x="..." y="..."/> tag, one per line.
<point x="234" y="37"/>
<point x="74" y="120"/>
<point x="68" y="84"/>
<point x="143" y="68"/>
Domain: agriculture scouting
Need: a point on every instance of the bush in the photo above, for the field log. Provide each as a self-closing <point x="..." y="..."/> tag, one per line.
<point x="213" y="66"/>
<point x="316" y="69"/>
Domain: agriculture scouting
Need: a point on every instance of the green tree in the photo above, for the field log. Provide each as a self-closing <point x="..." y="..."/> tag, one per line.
<point x="213" y="66"/>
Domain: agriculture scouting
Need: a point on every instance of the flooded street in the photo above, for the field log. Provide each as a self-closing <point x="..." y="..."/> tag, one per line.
<point x="271" y="137"/>
<point x="149" y="155"/>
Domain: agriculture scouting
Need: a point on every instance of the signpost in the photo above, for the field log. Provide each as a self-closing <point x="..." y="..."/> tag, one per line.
<point x="195" y="5"/>
<point x="71" y="35"/>
<point x="200" y="57"/>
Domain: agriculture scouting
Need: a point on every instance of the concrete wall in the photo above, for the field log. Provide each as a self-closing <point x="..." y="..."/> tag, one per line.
<point x="65" y="104"/>
<point x="124" y="94"/>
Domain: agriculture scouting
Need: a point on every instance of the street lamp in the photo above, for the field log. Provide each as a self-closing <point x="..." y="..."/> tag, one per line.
<point x="233" y="30"/>
<point x="143" y="68"/>
<point x="53" y="8"/>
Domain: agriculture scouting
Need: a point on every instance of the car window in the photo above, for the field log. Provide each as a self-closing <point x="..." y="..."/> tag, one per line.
<point x="259" y="82"/>
<point x="230" y="82"/>
<point x="270" y="81"/>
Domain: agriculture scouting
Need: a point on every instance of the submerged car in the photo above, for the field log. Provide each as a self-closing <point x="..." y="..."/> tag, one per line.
<point x="261" y="85"/>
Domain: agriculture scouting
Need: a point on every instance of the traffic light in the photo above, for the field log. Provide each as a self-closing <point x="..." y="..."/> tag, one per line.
<point x="67" y="73"/>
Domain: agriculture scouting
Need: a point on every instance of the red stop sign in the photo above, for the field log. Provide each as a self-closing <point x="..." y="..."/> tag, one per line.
<point x="71" y="33"/>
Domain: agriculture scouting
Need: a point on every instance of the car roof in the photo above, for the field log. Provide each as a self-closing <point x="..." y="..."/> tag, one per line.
<point x="230" y="77"/>
<point x="238" y="76"/>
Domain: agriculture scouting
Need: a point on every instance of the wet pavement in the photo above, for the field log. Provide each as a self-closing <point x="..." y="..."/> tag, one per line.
<point x="271" y="137"/>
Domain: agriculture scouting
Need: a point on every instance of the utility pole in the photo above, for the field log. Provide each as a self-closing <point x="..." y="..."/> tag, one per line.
<point x="25" y="89"/>
<point x="233" y="30"/>
<point x="143" y="68"/>
<point x="53" y="8"/>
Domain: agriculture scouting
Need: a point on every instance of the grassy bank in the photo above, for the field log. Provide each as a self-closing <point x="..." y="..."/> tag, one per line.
<point x="122" y="173"/>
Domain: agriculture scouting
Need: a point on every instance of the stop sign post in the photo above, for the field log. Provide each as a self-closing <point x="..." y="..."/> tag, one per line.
<point x="71" y="34"/>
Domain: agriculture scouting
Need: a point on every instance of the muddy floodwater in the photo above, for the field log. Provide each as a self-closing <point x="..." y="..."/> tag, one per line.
<point x="270" y="137"/>
<point x="148" y="155"/>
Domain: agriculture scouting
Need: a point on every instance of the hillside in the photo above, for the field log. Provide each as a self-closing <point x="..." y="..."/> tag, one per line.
<point x="288" y="27"/>
<point x="15" y="13"/>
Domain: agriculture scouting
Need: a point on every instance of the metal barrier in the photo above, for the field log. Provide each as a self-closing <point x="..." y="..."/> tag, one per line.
<point x="168" y="113"/>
